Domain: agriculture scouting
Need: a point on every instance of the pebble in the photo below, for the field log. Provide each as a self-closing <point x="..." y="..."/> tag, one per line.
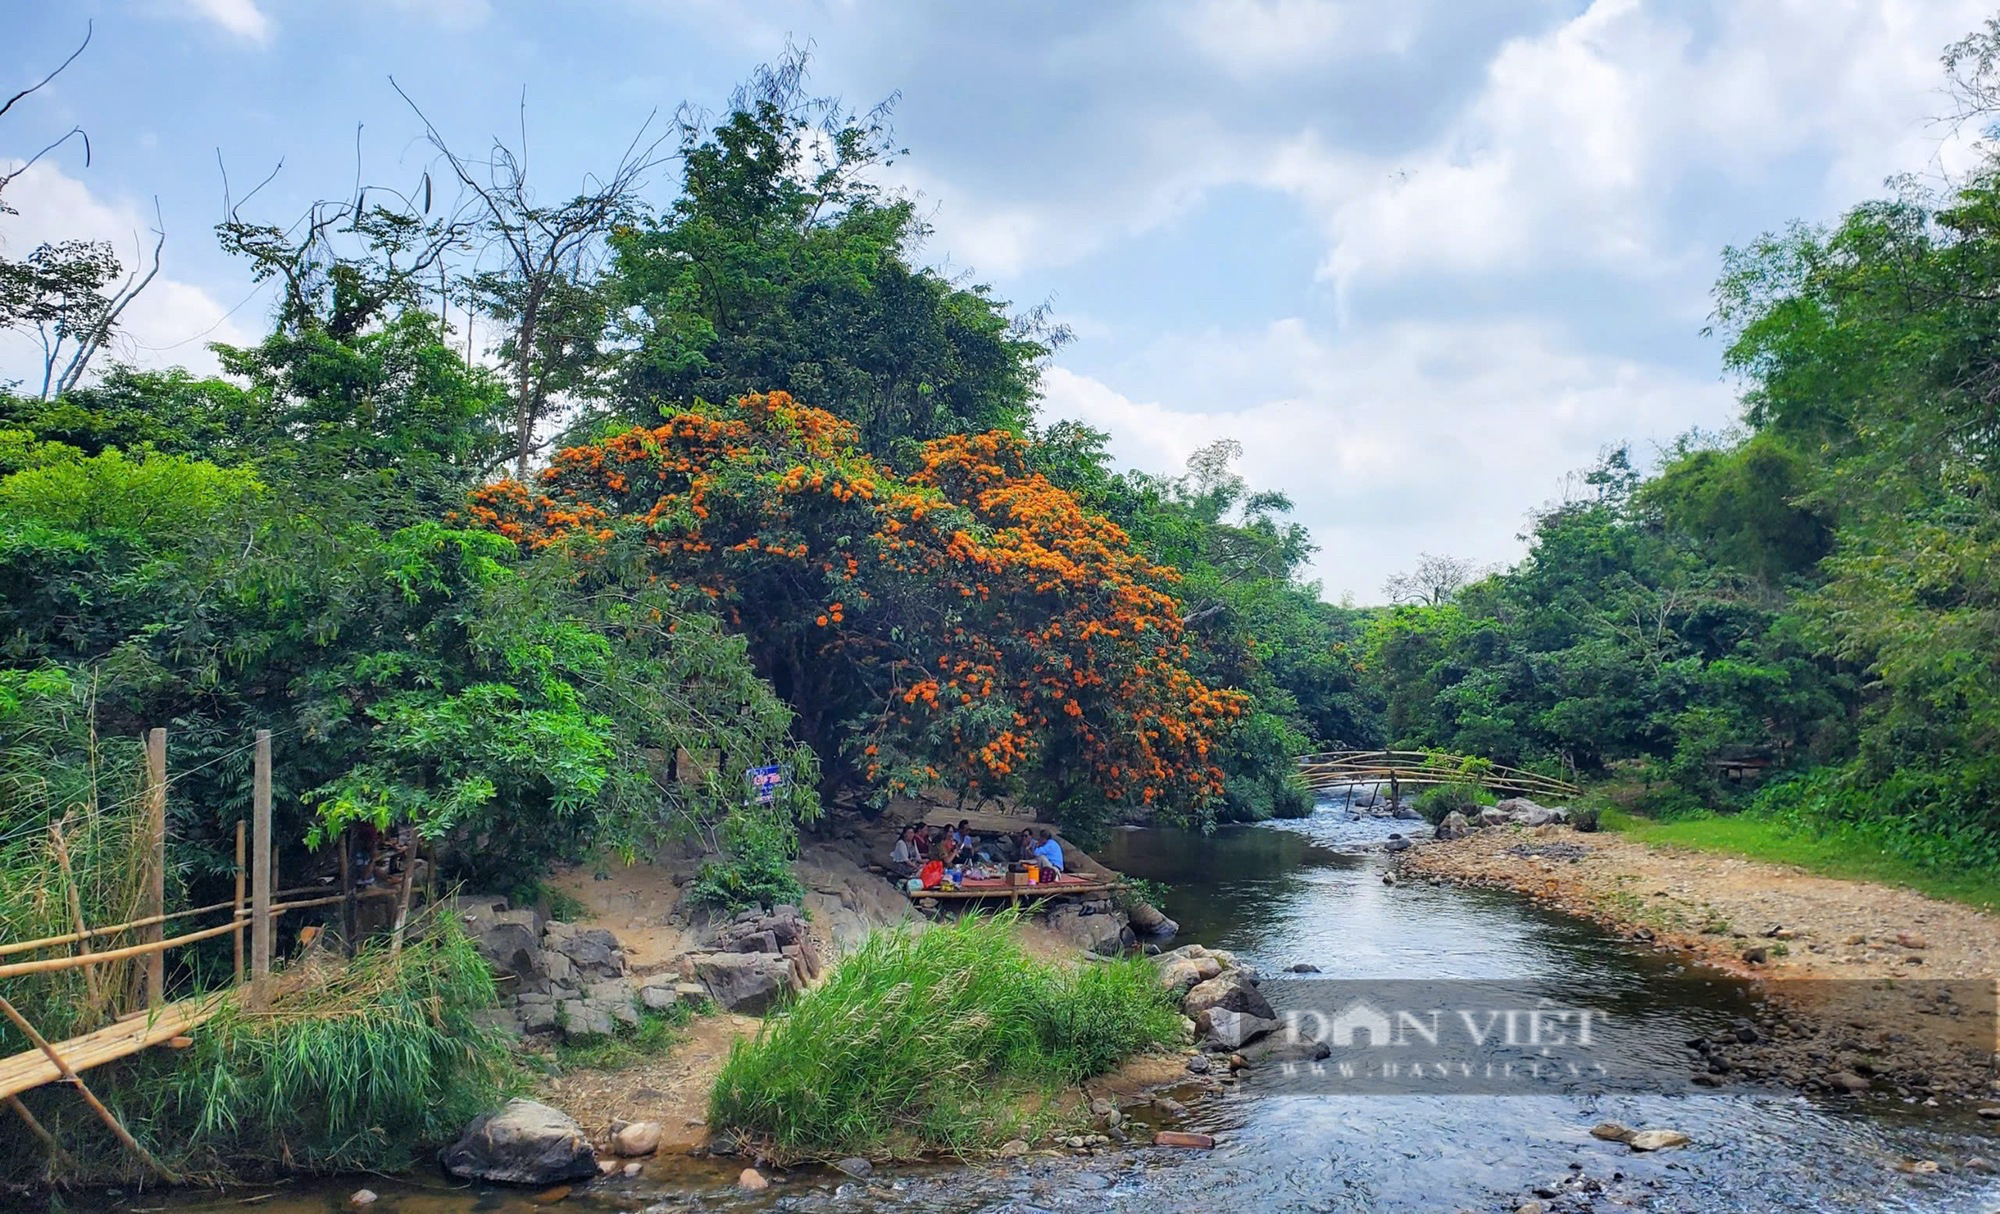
<point x="1847" y="1081"/>
<point x="1911" y="940"/>
<point x="549" y="1197"/>
<point x="1918" y="1167"/>
<point x="634" y="1168"/>
<point x="1990" y="1114"/>
<point x="1657" y="1140"/>
<point x="1198" y="1064"/>
<point x="750" y="1180"/>
<point x="1013" y="1148"/>
<point x="858" y="1167"/>
<point x="362" y="1197"/>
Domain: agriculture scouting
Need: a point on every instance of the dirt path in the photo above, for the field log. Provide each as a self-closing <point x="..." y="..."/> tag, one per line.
<point x="1773" y="923"/>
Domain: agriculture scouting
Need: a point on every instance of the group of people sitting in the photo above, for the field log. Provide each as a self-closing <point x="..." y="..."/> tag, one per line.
<point x="919" y="845"/>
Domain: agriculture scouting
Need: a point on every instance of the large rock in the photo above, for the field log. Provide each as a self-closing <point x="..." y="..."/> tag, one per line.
<point x="1148" y="921"/>
<point x="1103" y="934"/>
<point x="1231" y="992"/>
<point x="594" y="952"/>
<point x="1454" y="826"/>
<point x="525" y="1143"/>
<point x="511" y="943"/>
<point x="751" y="983"/>
<point x="1277" y="1049"/>
<point x="1493" y="815"/>
<point x="1233" y="1030"/>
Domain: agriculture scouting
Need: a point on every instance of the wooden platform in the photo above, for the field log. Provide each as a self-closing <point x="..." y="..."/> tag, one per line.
<point x="996" y="887"/>
<point x="32" y="1069"/>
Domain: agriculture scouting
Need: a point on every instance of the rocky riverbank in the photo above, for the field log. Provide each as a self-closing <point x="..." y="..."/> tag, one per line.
<point x="637" y="947"/>
<point x="1837" y="960"/>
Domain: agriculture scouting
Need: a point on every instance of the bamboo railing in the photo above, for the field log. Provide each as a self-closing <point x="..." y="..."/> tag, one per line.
<point x="1425" y="769"/>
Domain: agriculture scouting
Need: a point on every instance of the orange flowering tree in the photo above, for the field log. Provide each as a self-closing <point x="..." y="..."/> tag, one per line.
<point x="967" y="623"/>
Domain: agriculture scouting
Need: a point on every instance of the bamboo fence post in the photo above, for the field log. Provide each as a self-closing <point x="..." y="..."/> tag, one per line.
<point x="91" y="982"/>
<point x="35" y="1127"/>
<point x="403" y="897"/>
<point x="236" y="916"/>
<point x="260" y="880"/>
<point x="109" y="1118"/>
<point x="345" y="844"/>
<point x="156" y="890"/>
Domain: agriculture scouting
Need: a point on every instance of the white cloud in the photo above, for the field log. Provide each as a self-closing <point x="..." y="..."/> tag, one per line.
<point x="1253" y="37"/>
<point x="1573" y="148"/>
<point x="1439" y="437"/>
<point x="1577" y="147"/>
<point x="169" y="324"/>
<point x="239" y="17"/>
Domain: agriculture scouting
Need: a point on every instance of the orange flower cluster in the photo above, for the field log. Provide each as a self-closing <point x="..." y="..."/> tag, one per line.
<point x="969" y="618"/>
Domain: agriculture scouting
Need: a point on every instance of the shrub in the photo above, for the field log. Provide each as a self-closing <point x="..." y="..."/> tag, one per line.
<point x="932" y="1040"/>
<point x="1435" y="803"/>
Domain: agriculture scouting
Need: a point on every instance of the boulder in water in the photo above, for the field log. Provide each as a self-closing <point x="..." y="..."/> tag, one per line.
<point x="525" y="1143"/>
<point x="1233" y="1030"/>
<point x="1230" y="992"/>
<point x="1657" y="1140"/>
<point x="1396" y="843"/>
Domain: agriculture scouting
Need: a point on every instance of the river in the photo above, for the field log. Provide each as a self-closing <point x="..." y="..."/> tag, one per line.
<point x="1311" y="892"/>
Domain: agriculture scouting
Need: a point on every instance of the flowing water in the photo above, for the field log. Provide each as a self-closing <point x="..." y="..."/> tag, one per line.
<point x="1310" y="892"/>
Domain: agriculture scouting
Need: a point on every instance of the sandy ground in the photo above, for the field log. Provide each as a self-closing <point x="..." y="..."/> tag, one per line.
<point x="1772" y="923"/>
<point x="670" y="1088"/>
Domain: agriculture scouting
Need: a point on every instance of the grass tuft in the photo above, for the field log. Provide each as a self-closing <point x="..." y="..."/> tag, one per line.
<point x="942" y="1040"/>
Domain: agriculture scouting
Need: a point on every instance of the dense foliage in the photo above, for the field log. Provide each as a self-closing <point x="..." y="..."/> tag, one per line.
<point x="791" y="507"/>
<point x="1816" y="592"/>
<point x="968" y="622"/>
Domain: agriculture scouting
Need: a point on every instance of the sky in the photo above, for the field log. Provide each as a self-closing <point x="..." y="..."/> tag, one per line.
<point x="1424" y="259"/>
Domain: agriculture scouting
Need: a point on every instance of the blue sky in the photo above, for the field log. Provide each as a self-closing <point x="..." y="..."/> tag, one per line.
<point x="1423" y="258"/>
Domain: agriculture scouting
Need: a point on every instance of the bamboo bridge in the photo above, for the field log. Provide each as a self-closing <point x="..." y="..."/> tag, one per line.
<point x="1426" y="769"/>
<point x="157" y="1021"/>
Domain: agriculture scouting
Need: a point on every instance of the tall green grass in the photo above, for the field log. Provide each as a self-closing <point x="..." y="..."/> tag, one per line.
<point x="943" y="1040"/>
<point x="364" y="1066"/>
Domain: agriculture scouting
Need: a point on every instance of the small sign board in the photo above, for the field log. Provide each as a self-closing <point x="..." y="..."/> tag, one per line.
<point x="765" y="783"/>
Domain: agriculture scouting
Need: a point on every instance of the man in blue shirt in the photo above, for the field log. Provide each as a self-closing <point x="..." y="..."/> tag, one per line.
<point x="1050" y="852"/>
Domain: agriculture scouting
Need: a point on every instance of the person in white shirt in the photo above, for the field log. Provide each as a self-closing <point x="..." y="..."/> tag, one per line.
<point x="906" y="857"/>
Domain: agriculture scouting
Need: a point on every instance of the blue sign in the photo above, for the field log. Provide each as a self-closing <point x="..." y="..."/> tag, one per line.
<point x="765" y="783"/>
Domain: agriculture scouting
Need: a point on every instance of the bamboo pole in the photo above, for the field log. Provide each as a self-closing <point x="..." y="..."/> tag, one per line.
<point x="237" y="906"/>
<point x="260" y="881"/>
<point x="91" y="983"/>
<point x="52" y="964"/>
<point x="403" y="902"/>
<point x="110" y="1119"/>
<point x="346" y="845"/>
<point x="23" y="946"/>
<point x="35" y="1127"/>
<point x="156" y="892"/>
